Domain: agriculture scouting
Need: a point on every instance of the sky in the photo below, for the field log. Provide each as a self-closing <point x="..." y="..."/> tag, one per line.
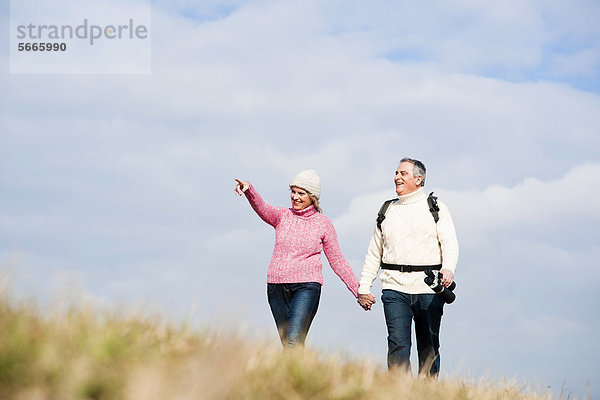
<point x="117" y="188"/>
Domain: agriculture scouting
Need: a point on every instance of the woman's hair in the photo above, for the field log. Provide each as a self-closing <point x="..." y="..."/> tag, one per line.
<point x="315" y="202"/>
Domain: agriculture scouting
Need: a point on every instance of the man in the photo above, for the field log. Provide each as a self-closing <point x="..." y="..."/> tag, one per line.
<point x="409" y="241"/>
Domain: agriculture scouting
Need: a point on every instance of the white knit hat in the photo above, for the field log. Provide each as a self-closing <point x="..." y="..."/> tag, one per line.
<point x="309" y="181"/>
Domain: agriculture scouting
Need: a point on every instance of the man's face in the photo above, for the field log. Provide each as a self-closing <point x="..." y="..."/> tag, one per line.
<point x="405" y="181"/>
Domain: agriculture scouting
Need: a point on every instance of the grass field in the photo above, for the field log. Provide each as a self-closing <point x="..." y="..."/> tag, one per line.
<point x="90" y="354"/>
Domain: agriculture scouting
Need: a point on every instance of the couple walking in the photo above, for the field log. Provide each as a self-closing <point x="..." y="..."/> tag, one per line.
<point x="407" y="241"/>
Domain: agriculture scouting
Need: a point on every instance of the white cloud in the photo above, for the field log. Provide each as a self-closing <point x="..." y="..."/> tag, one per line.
<point x="128" y="179"/>
<point x="502" y="38"/>
<point x="531" y="201"/>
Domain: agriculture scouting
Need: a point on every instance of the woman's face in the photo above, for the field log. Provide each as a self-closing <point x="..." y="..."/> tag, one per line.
<point x="300" y="198"/>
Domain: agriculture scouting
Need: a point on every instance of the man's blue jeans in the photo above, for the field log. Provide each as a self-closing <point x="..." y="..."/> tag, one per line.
<point x="426" y="310"/>
<point x="294" y="306"/>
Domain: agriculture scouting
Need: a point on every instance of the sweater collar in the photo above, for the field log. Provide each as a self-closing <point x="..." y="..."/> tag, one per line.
<point x="413" y="197"/>
<point x="305" y="213"/>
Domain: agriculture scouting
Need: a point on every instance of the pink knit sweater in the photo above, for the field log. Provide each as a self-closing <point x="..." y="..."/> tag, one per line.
<point x="300" y="236"/>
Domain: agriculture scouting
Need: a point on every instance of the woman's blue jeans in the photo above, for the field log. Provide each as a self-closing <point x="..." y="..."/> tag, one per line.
<point x="426" y="309"/>
<point x="294" y="306"/>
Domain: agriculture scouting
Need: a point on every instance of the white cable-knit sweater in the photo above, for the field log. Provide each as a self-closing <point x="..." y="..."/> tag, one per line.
<point x="410" y="237"/>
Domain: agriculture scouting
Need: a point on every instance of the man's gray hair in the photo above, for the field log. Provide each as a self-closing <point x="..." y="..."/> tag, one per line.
<point x="418" y="168"/>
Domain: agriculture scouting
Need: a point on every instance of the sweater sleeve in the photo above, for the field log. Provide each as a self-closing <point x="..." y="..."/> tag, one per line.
<point x="337" y="261"/>
<point x="372" y="262"/>
<point x="271" y="215"/>
<point x="447" y="239"/>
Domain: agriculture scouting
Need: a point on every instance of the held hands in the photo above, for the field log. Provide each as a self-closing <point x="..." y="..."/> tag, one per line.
<point x="241" y="186"/>
<point x="366" y="301"/>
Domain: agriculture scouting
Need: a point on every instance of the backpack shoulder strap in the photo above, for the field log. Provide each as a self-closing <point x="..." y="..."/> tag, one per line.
<point x="382" y="211"/>
<point x="433" y="206"/>
<point x="431" y="201"/>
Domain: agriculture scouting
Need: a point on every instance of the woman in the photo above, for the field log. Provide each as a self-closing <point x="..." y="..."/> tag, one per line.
<point x="295" y="273"/>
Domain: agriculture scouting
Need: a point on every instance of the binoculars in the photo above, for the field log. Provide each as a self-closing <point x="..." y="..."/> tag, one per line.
<point x="433" y="279"/>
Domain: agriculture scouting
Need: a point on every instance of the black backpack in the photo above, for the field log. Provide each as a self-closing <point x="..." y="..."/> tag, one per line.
<point x="431" y="201"/>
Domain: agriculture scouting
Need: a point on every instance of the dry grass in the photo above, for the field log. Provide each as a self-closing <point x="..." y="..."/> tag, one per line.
<point x="85" y="354"/>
